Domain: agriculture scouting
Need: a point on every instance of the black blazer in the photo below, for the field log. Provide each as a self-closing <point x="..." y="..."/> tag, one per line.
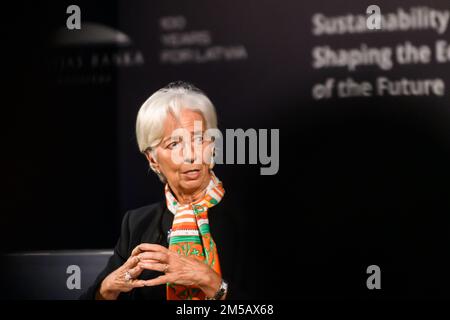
<point x="150" y="224"/>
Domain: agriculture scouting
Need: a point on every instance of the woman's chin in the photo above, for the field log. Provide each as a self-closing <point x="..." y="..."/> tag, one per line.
<point x="191" y="184"/>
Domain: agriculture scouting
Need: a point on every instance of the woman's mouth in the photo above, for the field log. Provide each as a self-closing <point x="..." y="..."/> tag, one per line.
<point x="192" y="174"/>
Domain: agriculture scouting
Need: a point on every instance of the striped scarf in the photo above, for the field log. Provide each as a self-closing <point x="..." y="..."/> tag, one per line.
<point x="191" y="236"/>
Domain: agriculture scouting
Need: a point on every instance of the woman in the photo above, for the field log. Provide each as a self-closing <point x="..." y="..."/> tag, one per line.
<point x="170" y="250"/>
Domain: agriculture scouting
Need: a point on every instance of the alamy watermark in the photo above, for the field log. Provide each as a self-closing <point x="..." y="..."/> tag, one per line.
<point x="74" y="279"/>
<point x="208" y="145"/>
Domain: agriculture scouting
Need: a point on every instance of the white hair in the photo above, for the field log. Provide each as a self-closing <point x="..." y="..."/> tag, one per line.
<point x="171" y="99"/>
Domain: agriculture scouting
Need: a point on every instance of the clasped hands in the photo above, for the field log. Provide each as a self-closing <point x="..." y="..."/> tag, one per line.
<point x="177" y="269"/>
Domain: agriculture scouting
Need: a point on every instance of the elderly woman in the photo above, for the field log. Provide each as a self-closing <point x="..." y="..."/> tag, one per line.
<point x="171" y="249"/>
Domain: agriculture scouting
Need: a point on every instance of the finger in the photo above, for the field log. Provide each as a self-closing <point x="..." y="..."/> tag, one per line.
<point x="137" y="283"/>
<point x="136" y="271"/>
<point x="148" y="247"/>
<point x="162" y="267"/>
<point x="149" y="261"/>
<point x="159" y="256"/>
<point x="130" y="263"/>
<point x="158" y="280"/>
<point x="136" y="251"/>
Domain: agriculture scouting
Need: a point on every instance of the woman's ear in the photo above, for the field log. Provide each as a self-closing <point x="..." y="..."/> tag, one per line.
<point x="152" y="161"/>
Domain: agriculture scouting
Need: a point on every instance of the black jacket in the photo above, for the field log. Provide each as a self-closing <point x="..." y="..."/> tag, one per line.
<point x="150" y="224"/>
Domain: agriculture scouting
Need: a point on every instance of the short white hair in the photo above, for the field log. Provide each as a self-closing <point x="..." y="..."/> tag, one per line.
<point x="171" y="99"/>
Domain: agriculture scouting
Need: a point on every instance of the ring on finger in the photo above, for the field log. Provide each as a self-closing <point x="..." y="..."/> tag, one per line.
<point x="166" y="268"/>
<point x="128" y="276"/>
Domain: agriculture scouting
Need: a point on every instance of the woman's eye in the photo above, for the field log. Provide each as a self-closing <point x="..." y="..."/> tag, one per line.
<point x="172" y="145"/>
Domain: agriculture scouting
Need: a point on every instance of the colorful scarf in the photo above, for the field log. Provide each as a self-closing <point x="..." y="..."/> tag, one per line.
<point x="190" y="235"/>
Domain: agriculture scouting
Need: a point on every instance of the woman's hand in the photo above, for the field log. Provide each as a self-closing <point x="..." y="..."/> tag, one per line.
<point x="178" y="269"/>
<point x="117" y="282"/>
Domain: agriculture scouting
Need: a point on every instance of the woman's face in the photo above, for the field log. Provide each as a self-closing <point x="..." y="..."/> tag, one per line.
<point x="183" y="154"/>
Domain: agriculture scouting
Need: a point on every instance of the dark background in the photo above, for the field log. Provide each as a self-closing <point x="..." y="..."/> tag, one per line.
<point x="362" y="181"/>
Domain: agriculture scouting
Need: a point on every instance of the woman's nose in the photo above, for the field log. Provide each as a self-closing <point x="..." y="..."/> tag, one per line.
<point x="190" y="153"/>
<point x="189" y="159"/>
